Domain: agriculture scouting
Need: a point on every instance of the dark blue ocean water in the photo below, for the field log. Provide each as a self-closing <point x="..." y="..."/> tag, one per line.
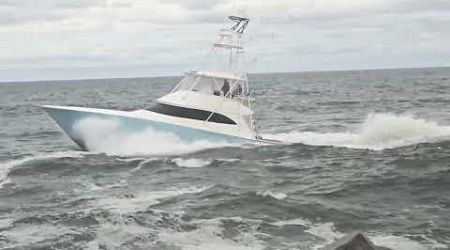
<point x="367" y="151"/>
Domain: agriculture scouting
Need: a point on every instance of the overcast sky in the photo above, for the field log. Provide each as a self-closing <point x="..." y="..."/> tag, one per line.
<point x="70" y="39"/>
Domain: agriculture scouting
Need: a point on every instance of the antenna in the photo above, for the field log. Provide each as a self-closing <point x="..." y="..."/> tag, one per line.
<point x="241" y="23"/>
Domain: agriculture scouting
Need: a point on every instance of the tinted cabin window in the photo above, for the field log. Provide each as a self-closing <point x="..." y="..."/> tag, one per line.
<point x="196" y="114"/>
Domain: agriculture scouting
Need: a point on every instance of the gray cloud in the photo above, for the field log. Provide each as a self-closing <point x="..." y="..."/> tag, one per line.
<point x="421" y="6"/>
<point x="50" y="4"/>
<point x="197" y="4"/>
<point x="11" y="17"/>
<point x="26" y="11"/>
<point x="173" y="35"/>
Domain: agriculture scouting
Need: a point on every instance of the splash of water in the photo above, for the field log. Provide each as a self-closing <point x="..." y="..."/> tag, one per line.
<point x="379" y="131"/>
<point x="275" y="195"/>
<point x="192" y="163"/>
<point x="210" y="234"/>
<point x="108" y="136"/>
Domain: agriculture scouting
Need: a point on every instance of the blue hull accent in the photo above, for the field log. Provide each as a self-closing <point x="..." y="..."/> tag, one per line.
<point x="67" y="118"/>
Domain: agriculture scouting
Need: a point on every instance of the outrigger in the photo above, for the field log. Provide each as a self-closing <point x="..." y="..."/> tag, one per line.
<point x="211" y="105"/>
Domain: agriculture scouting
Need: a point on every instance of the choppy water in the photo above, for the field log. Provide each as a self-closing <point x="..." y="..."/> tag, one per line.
<point x="369" y="151"/>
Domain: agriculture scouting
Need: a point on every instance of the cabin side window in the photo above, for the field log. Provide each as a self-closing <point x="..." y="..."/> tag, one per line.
<point x="196" y="114"/>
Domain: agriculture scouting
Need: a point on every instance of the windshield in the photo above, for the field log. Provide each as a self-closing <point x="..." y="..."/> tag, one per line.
<point x="230" y="88"/>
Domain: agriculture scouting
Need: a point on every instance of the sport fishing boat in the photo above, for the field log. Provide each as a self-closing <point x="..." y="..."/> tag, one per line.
<point x="211" y="105"/>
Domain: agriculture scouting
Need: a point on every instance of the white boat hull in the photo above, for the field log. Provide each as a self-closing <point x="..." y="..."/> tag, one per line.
<point x="132" y="122"/>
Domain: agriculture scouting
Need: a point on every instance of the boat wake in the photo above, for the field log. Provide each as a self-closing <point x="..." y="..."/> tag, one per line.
<point x="107" y="136"/>
<point x="378" y="131"/>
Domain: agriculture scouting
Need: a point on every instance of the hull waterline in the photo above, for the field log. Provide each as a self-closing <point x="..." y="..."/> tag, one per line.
<point x="67" y="119"/>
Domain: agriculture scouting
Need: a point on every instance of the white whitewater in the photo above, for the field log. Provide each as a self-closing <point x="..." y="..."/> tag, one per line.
<point x="192" y="162"/>
<point x="378" y="131"/>
<point x="106" y="136"/>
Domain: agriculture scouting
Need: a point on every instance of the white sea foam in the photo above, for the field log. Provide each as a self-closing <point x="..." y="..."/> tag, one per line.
<point x="142" y="200"/>
<point x="192" y="163"/>
<point x="91" y="187"/>
<point x="397" y="242"/>
<point x="132" y="159"/>
<point x="275" y="195"/>
<point x="377" y="132"/>
<point x="6" y="166"/>
<point x="325" y="230"/>
<point x="113" y="235"/>
<point x="107" y="136"/>
<point x="141" y="165"/>
<point x="28" y="234"/>
<point x="328" y="232"/>
<point x="228" y="159"/>
<point x="209" y="235"/>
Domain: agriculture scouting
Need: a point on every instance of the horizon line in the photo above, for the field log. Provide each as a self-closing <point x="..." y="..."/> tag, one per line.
<point x="249" y="73"/>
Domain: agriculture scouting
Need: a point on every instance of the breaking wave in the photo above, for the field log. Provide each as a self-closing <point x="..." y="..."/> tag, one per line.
<point x="6" y="166"/>
<point x="324" y="230"/>
<point x="107" y="136"/>
<point x="140" y="201"/>
<point x="191" y="163"/>
<point x="378" y="131"/>
<point x="211" y="234"/>
<point x="278" y="196"/>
